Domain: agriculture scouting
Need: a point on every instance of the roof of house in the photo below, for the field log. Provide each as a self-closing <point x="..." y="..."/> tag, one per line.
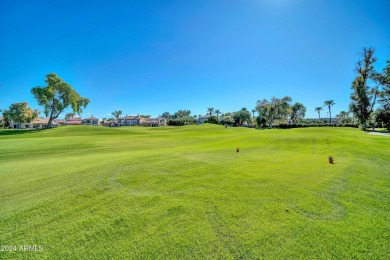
<point x="91" y="118"/>
<point x="74" y="119"/>
<point x="153" y="120"/>
<point x="131" y="117"/>
<point x="43" y="121"/>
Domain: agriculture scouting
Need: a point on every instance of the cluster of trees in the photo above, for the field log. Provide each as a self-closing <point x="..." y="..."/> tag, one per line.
<point x="269" y="111"/>
<point x="180" y="117"/>
<point x="19" y="112"/>
<point x="279" y="109"/>
<point x="240" y="117"/>
<point x="55" y="97"/>
<point x="369" y="87"/>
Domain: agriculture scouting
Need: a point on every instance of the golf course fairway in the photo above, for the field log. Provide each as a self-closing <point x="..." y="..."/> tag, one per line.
<point x="83" y="192"/>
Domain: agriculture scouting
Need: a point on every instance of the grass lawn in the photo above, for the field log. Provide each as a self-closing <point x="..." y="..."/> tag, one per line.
<point x="145" y="193"/>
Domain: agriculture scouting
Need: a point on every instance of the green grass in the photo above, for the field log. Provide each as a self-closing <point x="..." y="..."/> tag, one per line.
<point x="173" y="193"/>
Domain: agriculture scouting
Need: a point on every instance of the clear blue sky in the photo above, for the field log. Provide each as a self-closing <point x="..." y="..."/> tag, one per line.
<point x="149" y="57"/>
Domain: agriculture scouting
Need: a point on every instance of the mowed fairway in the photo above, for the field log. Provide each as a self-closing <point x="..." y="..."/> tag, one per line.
<point x="183" y="192"/>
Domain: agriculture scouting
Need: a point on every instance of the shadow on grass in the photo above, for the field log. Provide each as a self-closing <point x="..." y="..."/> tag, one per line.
<point x="384" y="131"/>
<point x="273" y="128"/>
<point x="21" y="131"/>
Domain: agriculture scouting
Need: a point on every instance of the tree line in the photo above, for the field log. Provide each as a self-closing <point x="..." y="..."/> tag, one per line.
<point x="369" y="88"/>
<point x="370" y="103"/>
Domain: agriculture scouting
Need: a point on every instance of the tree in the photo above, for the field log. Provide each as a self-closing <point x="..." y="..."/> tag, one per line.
<point x="382" y="116"/>
<point x="69" y="115"/>
<point x="329" y="103"/>
<point x="383" y="113"/>
<point x="212" y="120"/>
<point x="57" y="96"/>
<point x="145" y="116"/>
<point x="226" y="120"/>
<point x="46" y="111"/>
<point x="21" y="113"/>
<point x="117" y="114"/>
<point x="318" y="109"/>
<point x="275" y="108"/>
<point x="253" y="112"/>
<point x="217" y="111"/>
<point x="181" y="117"/>
<point x="253" y="116"/>
<point x="228" y="114"/>
<point x="363" y="96"/>
<point x="242" y="116"/>
<point x="182" y="113"/>
<point x="261" y="121"/>
<point x="343" y="114"/>
<point x="210" y="110"/>
<point x="166" y="115"/>
<point x="344" y="117"/>
<point x="6" y="120"/>
<point x="384" y="80"/>
<point x="298" y="111"/>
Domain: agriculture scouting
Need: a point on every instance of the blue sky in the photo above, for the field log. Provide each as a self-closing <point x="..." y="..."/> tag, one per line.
<point x="149" y="57"/>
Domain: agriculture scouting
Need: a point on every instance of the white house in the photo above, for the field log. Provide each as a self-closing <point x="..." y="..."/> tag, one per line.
<point x="90" y="121"/>
<point x="36" y="124"/>
<point x="203" y="119"/>
<point x="129" y="121"/>
<point x="141" y="121"/>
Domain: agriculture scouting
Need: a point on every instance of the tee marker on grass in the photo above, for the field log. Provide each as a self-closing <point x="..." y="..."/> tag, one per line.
<point x="331" y="159"/>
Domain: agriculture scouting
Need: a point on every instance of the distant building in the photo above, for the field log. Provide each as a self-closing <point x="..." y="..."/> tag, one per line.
<point x="153" y="122"/>
<point x="203" y="119"/>
<point x="36" y="124"/>
<point x="91" y="121"/>
<point x="59" y="121"/>
<point x="109" y="122"/>
<point x="129" y="121"/>
<point x="140" y="121"/>
<point x="73" y="121"/>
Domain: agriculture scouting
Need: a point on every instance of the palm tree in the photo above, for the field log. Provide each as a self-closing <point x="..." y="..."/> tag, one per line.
<point x="211" y="110"/>
<point x="318" y="109"/>
<point x="329" y="103"/>
<point x="343" y="114"/>
<point x="217" y="111"/>
<point x="253" y="112"/>
<point x="117" y="114"/>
